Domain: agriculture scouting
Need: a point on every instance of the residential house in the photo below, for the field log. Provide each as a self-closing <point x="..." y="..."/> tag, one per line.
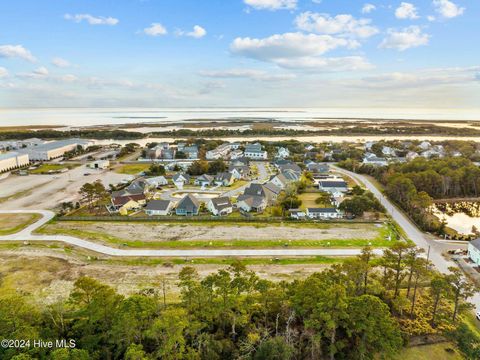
<point x="372" y="159"/>
<point x="255" y="151"/>
<point x="204" y="180"/>
<point x="220" y="206"/>
<point x="290" y="166"/>
<point x="159" y="207"/>
<point x="126" y="202"/>
<point x="168" y="154"/>
<point x="224" y="179"/>
<point x="318" y="168"/>
<point x="309" y="147"/>
<point x="235" y="145"/>
<point x="239" y="171"/>
<point x="283" y="153"/>
<point x="411" y="155"/>
<point x="323" y="213"/>
<point x="250" y="203"/>
<point x="188" y="206"/>
<point x="297" y="214"/>
<point x="191" y="151"/>
<point x="425" y="145"/>
<point x="221" y="152"/>
<point x="285" y="177"/>
<point x="180" y="179"/>
<point x="235" y="154"/>
<point x="335" y="186"/>
<point x="155" y="182"/>
<point x="388" y="151"/>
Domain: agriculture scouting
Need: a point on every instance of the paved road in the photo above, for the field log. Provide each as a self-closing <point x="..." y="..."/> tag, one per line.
<point x="26" y="235"/>
<point x="416" y="235"/>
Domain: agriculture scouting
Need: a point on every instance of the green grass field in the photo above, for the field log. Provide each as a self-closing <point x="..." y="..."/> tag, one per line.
<point x="47" y="168"/>
<point x="425" y="352"/>
<point x="132" y="169"/>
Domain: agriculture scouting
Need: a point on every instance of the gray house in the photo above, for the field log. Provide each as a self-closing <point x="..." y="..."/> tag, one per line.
<point x="188" y="206"/>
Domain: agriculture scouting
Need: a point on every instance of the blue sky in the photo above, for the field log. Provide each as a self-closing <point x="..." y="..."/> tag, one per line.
<point x="295" y="53"/>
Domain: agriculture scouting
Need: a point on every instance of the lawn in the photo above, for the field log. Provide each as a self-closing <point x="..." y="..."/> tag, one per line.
<point x="52" y="168"/>
<point x="435" y="351"/>
<point x="308" y="200"/>
<point x="13" y="223"/>
<point x="132" y="169"/>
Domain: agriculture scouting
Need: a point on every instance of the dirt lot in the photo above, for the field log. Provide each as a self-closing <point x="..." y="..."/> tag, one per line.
<point x="49" y="274"/>
<point x="188" y="232"/>
<point x="12" y="223"/>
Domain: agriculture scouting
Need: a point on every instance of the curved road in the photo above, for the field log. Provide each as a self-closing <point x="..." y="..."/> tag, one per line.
<point x="431" y="247"/>
<point x="26" y="235"/>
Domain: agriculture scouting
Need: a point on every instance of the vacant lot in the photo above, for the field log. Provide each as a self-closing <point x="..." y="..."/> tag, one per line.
<point x="442" y="351"/>
<point x="132" y="169"/>
<point x="204" y="234"/>
<point x="13" y="223"/>
<point x="49" y="273"/>
<point x="52" y="168"/>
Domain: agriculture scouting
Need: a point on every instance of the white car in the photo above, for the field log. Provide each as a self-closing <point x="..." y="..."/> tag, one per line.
<point x="478" y="315"/>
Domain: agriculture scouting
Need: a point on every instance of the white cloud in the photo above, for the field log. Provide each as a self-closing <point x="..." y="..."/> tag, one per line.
<point x="300" y="51"/>
<point x="326" y="64"/>
<point x="197" y="32"/>
<point x="404" y="39"/>
<point x="448" y="9"/>
<point x="343" y="24"/>
<point x="406" y="11"/>
<point x="61" y="63"/>
<point x="246" y="73"/>
<point x="271" y="4"/>
<point x="92" y="20"/>
<point x="12" y="51"/>
<point x="288" y="45"/>
<point x="3" y="72"/>
<point x="69" y="78"/>
<point x="368" y="8"/>
<point x="39" y="73"/>
<point x="156" y="29"/>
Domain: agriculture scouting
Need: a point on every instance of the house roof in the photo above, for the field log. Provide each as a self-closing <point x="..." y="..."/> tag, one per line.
<point x="122" y="200"/>
<point x="322" y="210"/>
<point x="224" y="176"/>
<point x="177" y="176"/>
<point x="253" y="201"/>
<point x="475" y="243"/>
<point x="221" y="203"/>
<point x="189" y="203"/>
<point x="332" y="183"/>
<point x="160" y="205"/>
<point x="205" y="177"/>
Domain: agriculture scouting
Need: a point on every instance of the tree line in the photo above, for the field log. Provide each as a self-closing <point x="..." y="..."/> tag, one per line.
<point x="415" y="184"/>
<point x="363" y="308"/>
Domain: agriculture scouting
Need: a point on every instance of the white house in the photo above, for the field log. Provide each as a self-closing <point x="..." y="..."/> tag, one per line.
<point x="159" y="207"/>
<point x="221" y="152"/>
<point x="334" y="186"/>
<point x="180" y="179"/>
<point x="255" y="151"/>
<point x="411" y="155"/>
<point x="424" y="145"/>
<point x="156" y="181"/>
<point x="372" y="159"/>
<point x="283" y="153"/>
<point x="323" y="213"/>
<point x="474" y="251"/>
<point x="220" y="206"/>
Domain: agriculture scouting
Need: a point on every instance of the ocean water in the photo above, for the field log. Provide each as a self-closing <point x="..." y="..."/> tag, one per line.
<point x="94" y="116"/>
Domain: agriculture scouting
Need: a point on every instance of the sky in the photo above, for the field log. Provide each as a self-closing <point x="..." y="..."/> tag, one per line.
<point x="240" y="53"/>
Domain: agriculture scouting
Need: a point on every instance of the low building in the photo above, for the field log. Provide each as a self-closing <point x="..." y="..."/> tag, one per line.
<point x="204" y="180"/>
<point x="323" y="213"/>
<point x="128" y="202"/>
<point x="188" y="206"/>
<point x="224" y="179"/>
<point x="159" y="207"/>
<point x="13" y="160"/>
<point x="220" y="206"/>
<point x="318" y="168"/>
<point x="156" y="181"/>
<point x="372" y="159"/>
<point x="99" y="164"/>
<point x="283" y="153"/>
<point x="180" y="179"/>
<point x="297" y="214"/>
<point x="255" y="151"/>
<point x="221" y="152"/>
<point x="474" y="251"/>
<point x="191" y="151"/>
<point x="250" y="203"/>
<point x="334" y="186"/>
<point x="54" y="149"/>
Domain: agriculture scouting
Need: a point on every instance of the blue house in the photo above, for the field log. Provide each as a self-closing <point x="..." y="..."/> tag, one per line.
<point x="188" y="206"/>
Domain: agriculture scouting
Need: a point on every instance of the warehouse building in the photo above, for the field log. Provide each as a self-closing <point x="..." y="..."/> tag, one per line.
<point x="53" y="150"/>
<point x="12" y="160"/>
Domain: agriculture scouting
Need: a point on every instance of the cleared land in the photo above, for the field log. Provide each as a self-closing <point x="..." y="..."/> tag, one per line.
<point x="223" y="235"/>
<point x="132" y="169"/>
<point x="51" y="168"/>
<point x="13" y="223"/>
<point x="442" y="351"/>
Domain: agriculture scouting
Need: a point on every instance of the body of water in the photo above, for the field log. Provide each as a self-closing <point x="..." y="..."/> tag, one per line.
<point x="92" y="117"/>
